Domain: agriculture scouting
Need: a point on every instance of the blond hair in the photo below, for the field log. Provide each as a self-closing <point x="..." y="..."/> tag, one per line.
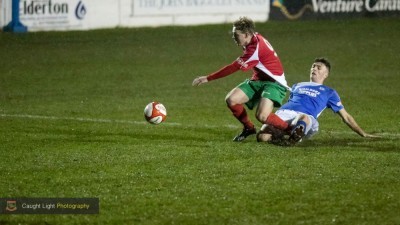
<point x="245" y="25"/>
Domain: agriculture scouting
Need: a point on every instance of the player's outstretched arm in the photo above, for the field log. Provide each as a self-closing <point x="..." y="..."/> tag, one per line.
<point x="349" y="120"/>
<point x="225" y="71"/>
<point x="199" y="80"/>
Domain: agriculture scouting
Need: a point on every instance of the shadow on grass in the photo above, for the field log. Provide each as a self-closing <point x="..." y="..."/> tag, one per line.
<point x="356" y="143"/>
<point x="188" y="137"/>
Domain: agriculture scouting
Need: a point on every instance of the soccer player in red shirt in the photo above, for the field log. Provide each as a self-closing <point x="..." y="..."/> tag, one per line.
<point x="266" y="88"/>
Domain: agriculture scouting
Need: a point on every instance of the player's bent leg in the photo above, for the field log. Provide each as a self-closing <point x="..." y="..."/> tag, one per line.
<point x="266" y="116"/>
<point x="272" y="135"/>
<point x="264" y="108"/>
<point x="264" y="137"/>
<point x="235" y="100"/>
<point x="236" y="97"/>
<point x="299" y="130"/>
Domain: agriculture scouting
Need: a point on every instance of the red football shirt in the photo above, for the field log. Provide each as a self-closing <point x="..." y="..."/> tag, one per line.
<point x="259" y="56"/>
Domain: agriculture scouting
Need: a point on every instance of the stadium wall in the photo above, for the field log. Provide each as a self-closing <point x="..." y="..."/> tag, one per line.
<point x="44" y="15"/>
<point x="48" y="15"/>
<point x="332" y="9"/>
<point x="5" y="12"/>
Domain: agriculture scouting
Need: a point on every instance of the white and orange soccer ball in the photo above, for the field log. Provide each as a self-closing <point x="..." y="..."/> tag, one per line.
<point x="155" y="113"/>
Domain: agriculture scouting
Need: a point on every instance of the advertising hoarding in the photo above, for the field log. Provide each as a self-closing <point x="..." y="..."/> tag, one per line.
<point x="332" y="9"/>
<point x="43" y="15"/>
<point x="68" y="14"/>
<point x="190" y="12"/>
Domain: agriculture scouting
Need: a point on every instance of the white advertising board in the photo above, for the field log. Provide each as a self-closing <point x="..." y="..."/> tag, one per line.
<point x="68" y="14"/>
<point x="46" y="15"/>
<point x="190" y="12"/>
<point x="199" y="7"/>
<point x="5" y="12"/>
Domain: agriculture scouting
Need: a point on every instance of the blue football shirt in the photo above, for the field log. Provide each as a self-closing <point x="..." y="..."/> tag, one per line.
<point x="312" y="98"/>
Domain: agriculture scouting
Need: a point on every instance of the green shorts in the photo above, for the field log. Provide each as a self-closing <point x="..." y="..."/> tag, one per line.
<point x="255" y="90"/>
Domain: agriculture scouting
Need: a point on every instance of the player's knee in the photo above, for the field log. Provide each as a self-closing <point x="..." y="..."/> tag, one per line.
<point x="263" y="137"/>
<point x="230" y="101"/>
<point x="262" y="117"/>
<point x="305" y="119"/>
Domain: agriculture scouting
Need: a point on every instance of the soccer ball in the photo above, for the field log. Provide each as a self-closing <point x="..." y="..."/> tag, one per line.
<point x="155" y="113"/>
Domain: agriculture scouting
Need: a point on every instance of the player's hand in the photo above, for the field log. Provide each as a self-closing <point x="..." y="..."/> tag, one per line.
<point x="199" y="80"/>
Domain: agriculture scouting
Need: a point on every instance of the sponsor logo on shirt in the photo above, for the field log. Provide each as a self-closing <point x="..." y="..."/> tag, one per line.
<point x="309" y="92"/>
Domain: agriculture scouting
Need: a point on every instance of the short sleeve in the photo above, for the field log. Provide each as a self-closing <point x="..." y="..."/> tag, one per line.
<point x="334" y="102"/>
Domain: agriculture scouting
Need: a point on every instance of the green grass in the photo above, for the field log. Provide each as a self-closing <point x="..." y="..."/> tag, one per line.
<point x="72" y="125"/>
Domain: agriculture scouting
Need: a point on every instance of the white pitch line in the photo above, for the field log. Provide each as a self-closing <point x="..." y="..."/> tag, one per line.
<point x="27" y="116"/>
<point x="230" y="126"/>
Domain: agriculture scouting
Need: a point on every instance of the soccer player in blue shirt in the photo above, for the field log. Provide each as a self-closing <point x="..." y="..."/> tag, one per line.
<point x="306" y="102"/>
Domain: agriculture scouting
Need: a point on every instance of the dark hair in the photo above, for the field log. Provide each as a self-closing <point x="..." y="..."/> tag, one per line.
<point x="244" y="24"/>
<point x="325" y="61"/>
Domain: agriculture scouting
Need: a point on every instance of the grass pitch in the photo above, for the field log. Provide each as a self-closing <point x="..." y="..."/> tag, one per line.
<point x="71" y="125"/>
